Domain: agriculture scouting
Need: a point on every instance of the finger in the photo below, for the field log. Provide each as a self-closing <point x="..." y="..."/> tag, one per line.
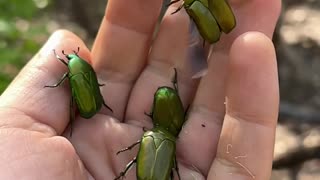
<point x="208" y="107"/>
<point x="169" y="51"/>
<point x="28" y="103"/>
<point x="253" y="15"/>
<point x="246" y="143"/>
<point x="121" y="46"/>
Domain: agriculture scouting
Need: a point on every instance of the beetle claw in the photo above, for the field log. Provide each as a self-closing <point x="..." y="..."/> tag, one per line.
<point x="107" y="106"/>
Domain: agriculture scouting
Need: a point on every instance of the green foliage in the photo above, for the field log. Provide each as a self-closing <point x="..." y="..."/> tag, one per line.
<point x="21" y="35"/>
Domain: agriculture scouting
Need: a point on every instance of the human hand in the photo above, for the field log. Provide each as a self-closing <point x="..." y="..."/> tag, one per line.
<point x="243" y="69"/>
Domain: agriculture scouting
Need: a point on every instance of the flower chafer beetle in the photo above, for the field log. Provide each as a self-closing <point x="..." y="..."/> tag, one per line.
<point x="210" y="16"/>
<point x="156" y="158"/>
<point x="85" y="91"/>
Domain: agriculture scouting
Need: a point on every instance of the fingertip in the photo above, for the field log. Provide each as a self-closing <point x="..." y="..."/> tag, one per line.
<point x="253" y="88"/>
<point x="253" y="49"/>
<point x="65" y="40"/>
<point x="252" y="44"/>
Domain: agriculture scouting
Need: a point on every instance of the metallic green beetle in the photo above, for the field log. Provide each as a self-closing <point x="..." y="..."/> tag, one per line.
<point x="84" y="86"/>
<point x="210" y="17"/>
<point x="222" y="11"/>
<point x="156" y="158"/>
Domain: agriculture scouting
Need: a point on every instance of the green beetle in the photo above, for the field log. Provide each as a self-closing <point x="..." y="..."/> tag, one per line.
<point x="210" y="17"/>
<point x="222" y="11"/>
<point x="156" y="158"/>
<point x="84" y="86"/>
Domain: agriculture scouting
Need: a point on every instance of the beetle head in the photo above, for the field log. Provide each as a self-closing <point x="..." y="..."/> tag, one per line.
<point x="71" y="56"/>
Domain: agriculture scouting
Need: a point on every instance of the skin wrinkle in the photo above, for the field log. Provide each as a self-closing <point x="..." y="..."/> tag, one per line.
<point x="252" y="119"/>
<point x="203" y="111"/>
<point x="233" y="167"/>
<point x="63" y="147"/>
<point x="107" y="65"/>
<point x="35" y="164"/>
<point x="229" y="151"/>
<point x="111" y="160"/>
<point x="185" y="164"/>
<point x="115" y="74"/>
<point x="84" y="162"/>
<point x="27" y="153"/>
<point x="230" y="161"/>
<point x="32" y="126"/>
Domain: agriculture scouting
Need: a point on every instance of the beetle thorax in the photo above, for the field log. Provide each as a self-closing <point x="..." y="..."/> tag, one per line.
<point x="168" y="111"/>
<point x="77" y="65"/>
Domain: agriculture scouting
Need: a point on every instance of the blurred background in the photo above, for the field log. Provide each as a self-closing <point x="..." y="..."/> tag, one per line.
<point x="26" y="24"/>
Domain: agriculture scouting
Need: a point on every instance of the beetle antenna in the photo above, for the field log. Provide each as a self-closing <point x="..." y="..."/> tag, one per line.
<point x="76" y="53"/>
<point x="66" y="55"/>
<point x="174" y="80"/>
<point x="59" y="58"/>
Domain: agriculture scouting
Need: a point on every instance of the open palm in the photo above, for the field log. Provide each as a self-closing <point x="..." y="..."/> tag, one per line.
<point x="240" y="92"/>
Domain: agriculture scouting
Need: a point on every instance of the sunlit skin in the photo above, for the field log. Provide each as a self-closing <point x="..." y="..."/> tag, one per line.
<point x="240" y="90"/>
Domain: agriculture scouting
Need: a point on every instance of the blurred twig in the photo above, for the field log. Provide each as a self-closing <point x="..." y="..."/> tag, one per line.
<point x="297" y="157"/>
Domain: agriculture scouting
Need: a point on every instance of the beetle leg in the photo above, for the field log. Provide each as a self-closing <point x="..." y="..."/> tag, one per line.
<point x="176" y="167"/>
<point x="144" y="129"/>
<point x="175" y="81"/>
<point x="148" y="114"/>
<point x="129" y="165"/>
<point x="101" y="84"/>
<point x="129" y="148"/>
<point x="72" y="115"/>
<point x="60" y="81"/>
<point x="186" y="112"/>
<point x="59" y="58"/>
<point x="179" y="8"/>
<point x="107" y="106"/>
<point x="172" y="2"/>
